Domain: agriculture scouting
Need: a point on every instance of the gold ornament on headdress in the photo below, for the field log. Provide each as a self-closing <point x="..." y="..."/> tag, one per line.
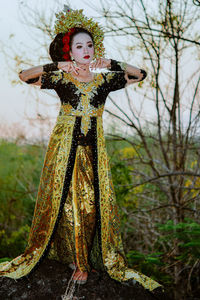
<point x="70" y="18"/>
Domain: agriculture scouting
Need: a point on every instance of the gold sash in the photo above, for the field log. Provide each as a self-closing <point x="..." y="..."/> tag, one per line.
<point x="86" y="113"/>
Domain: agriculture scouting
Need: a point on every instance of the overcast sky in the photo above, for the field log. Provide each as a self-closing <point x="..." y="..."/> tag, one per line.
<point x="18" y="98"/>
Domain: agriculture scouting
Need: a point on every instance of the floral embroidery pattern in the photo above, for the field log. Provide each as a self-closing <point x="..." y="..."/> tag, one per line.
<point x="76" y="180"/>
<point x="86" y="91"/>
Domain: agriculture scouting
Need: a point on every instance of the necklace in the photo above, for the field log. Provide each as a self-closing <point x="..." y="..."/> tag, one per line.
<point x="84" y="79"/>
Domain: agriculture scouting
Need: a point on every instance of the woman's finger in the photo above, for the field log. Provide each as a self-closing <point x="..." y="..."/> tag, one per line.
<point x="78" y="69"/>
<point x="65" y="69"/>
<point x="72" y="68"/>
<point x="97" y="63"/>
<point x="68" y="68"/>
<point x="75" y="70"/>
<point x="100" y="63"/>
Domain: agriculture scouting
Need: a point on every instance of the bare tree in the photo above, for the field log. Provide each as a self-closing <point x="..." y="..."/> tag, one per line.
<point x="166" y="36"/>
<point x="37" y="23"/>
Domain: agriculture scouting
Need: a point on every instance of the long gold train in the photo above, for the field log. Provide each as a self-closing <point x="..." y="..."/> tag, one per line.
<point x="58" y="199"/>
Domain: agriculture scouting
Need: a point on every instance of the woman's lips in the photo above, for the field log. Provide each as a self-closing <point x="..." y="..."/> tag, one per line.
<point x="87" y="56"/>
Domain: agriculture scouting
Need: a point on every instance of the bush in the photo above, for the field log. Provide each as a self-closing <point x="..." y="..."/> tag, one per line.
<point x="19" y="179"/>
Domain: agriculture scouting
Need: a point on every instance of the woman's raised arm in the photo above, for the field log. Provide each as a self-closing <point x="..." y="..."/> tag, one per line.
<point x="33" y="75"/>
<point x="132" y="71"/>
<point x="133" y="74"/>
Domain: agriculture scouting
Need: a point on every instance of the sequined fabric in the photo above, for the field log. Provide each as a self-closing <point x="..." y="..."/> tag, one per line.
<point x="76" y="228"/>
<point x="76" y="216"/>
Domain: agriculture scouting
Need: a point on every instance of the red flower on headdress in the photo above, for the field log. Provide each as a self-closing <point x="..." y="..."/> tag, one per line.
<point x="66" y="38"/>
<point x="66" y="48"/>
<point x="66" y="56"/>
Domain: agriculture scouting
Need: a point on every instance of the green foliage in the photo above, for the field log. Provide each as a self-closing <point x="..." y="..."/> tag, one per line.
<point x="15" y="243"/>
<point x="19" y="178"/>
<point x="188" y="235"/>
<point x="159" y="260"/>
<point x="148" y="264"/>
<point x="5" y="259"/>
<point x="122" y="179"/>
<point x="136" y="257"/>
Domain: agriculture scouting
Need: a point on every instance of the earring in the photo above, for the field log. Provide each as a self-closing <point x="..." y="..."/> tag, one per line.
<point x="73" y="60"/>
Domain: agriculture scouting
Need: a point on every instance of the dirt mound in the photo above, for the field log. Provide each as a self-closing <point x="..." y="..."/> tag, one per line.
<point x="50" y="280"/>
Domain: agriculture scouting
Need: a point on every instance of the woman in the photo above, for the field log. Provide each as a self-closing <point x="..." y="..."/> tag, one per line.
<point x="76" y="218"/>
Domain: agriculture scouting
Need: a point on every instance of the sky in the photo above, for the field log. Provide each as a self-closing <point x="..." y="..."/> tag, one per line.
<point x="19" y="102"/>
<point x="17" y="99"/>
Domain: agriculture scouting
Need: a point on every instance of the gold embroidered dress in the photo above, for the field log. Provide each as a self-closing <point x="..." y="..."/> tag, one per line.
<point x="76" y="216"/>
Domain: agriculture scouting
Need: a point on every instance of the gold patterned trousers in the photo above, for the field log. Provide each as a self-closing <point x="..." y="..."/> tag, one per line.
<point x="74" y="236"/>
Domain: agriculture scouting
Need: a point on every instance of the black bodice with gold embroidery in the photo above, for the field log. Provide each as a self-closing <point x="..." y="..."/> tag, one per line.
<point x="69" y="89"/>
<point x="76" y="216"/>
<point x="83" y="97"/>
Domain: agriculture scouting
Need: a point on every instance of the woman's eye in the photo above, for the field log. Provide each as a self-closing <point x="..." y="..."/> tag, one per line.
<point x="90" y="45"/>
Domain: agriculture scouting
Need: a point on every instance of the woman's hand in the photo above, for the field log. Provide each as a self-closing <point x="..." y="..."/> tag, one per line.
<point x="100" y="63"/>
<point x="68" y="66"/>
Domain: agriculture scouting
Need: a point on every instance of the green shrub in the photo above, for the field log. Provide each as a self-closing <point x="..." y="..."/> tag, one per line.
<point x="19" y="179"/>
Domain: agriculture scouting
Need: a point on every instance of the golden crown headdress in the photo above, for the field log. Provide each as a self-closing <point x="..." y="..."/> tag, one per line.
<point x="69" y="18"/>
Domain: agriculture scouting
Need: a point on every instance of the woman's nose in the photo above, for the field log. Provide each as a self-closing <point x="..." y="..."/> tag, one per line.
<point x="86" y="48"/>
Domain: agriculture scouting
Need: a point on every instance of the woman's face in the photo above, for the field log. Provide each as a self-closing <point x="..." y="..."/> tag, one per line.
<point x="82" y="48"/>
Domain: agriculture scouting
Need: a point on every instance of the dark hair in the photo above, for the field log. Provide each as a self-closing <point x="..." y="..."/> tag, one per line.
<point x="56" y="47"/>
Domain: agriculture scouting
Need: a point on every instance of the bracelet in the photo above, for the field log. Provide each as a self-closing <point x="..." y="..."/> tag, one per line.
<point x="117" y="65"/>
<point x="144" y="74"/>
<point x="32" y="80"/>
<point x="51" y="67"/>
